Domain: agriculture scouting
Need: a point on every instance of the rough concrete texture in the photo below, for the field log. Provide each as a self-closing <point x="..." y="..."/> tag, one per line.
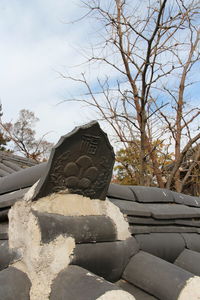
<point x="191" y="289"/>
<point x="41" y="262"/>
<point x="77" y="205"/>
<point x="30" y="193"/>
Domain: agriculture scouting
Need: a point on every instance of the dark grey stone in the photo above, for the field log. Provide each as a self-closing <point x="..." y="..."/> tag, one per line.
<point x="192" y="241"/>
<point x="152" y="194"/>
<point x="77" y="283"/>
<point x="136" y="229"/>
<point x="186" y="199"/>
<point x="132" y="208"/>
<point x="7" y="256"/>
<point x="189" y="260"/>
<point x="14" y="285"/>
<point x="82" y="161"/>
<point x="167" y="246"/>
<point x="84" y="229"/>
<point x="120" y="192"/>
<point x="107" y="260"/>
<point x="133" y="290"/>
<point x="9" y="199"/>
<point x="156" y="276"/>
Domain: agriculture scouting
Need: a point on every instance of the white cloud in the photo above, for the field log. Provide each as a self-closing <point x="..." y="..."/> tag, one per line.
<point x="35" y="43"/>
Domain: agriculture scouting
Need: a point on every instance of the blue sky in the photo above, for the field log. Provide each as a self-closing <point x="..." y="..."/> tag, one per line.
<point x="36" y="43"/>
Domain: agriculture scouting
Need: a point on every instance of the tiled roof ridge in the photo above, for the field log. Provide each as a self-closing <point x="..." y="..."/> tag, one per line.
<point x="16" y="158"/>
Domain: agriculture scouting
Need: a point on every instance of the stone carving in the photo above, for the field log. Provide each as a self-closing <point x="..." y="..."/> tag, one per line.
<point x="82" y="162"/>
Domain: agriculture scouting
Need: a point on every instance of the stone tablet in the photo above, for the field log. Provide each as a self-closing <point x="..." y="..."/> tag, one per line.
<point x="82" y="162"/>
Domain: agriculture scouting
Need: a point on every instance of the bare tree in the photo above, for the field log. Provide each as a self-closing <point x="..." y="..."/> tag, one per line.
<point x="22" y="134"/>
<point x="149" y="47"/>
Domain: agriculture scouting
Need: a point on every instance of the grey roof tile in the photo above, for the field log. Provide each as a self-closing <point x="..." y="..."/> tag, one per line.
<point x="192" y="222"/>
<point x="107" y="259"/>
<point x="80" y="284"/>
<point x="186" y="199"/>
<point x="136" y="229"/>
<point x="166" y="246"/>
<point x="21" y="179"/>
<point x="156" y="276"/>
<point x="14" y="284"/>
<point x="15" y="162"/>
<point x="150" y="221"/>
<point x="189" y="260"/>
<point x="172" y="211"/>
<point x="157" y="211"/>
<point x="135" y="291"/>
<point x="9" y="199"/>
<point x="152" y="194"/>
<point x="120" y="192"/>
<point x="132" y="208"/>
<point x="3" y="230"/>
<point x="192" y="241"/>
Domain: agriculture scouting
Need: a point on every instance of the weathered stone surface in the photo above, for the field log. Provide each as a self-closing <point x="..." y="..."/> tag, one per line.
<point x="152" y="194"/>
<point x="83" y="229"/>
<point x="107" y="260"/>
<point x="14" y="285"/>
<point x="76" y="283"/>
<point x="189" y="260"/>
<point x="82" y="161"/>
<point x="133" y="290"/>
<point x="6" y="256"/>
<point x="167" y="246"/>
<point x="156" y="276"/>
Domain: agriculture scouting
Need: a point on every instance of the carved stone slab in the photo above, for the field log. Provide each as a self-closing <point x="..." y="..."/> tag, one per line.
<point x="82" y="161"/>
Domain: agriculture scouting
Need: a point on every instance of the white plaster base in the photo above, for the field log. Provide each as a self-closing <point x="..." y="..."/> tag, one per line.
<point x="41" y="262"/>
<point x="77" y="205"/>
<point x="116" y="295"/>
<point x="191" y="290"/>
